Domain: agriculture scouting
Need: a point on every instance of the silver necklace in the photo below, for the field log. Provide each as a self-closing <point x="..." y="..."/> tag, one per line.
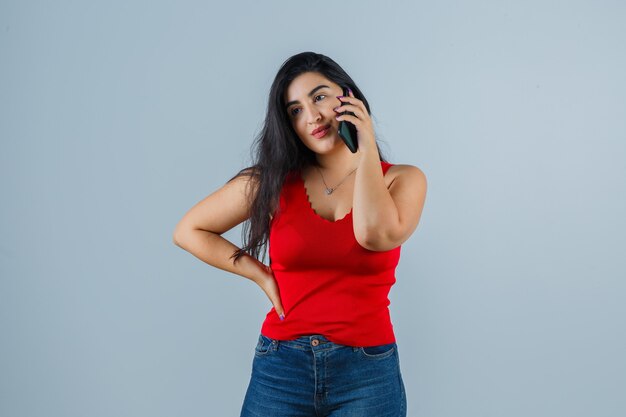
<point x="328" y="190"/>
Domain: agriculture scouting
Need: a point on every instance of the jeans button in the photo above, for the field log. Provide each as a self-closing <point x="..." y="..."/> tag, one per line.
<point x="315" y="342"/>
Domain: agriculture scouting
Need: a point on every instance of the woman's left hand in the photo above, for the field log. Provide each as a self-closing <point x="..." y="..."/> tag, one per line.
<point x="361" y="120"/>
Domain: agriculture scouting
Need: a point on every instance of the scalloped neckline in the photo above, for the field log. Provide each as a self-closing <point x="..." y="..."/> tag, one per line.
<point x="308" y="200"/>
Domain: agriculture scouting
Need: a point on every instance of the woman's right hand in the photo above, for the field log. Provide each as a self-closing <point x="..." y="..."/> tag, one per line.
<point x="268" y="283"/>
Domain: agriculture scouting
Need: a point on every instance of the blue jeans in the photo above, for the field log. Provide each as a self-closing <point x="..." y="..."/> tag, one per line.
<point x="312" y="376"/>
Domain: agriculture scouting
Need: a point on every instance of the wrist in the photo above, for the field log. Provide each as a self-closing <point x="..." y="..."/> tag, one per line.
<point x="256" y="271"/>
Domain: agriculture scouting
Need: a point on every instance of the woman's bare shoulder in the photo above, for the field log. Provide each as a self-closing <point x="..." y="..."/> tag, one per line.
<point x="404" y="171"/>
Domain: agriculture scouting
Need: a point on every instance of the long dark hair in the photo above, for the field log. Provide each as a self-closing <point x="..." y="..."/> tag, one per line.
<point x="277" y="149"/>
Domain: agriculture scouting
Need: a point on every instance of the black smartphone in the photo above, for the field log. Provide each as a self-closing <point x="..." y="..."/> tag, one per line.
<point x="347" y="130"/>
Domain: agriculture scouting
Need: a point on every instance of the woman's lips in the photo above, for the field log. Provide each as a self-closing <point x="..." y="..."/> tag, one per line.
<point x="322" y="133"/>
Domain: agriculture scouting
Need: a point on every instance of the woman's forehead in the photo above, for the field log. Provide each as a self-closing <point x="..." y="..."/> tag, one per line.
<point x="303" y="86"/>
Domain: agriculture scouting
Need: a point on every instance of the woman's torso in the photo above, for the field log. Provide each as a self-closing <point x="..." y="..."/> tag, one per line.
<point x="329" y="284"/>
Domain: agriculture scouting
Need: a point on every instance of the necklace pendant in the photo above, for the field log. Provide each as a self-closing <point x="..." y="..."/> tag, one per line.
<point x="329" y="191"/>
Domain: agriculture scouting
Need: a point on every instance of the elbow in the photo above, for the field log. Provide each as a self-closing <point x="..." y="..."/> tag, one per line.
<point x="185" y="234"/>
<point x="370" y="241"/>
<point x="178" y="237"/>
<point x="379" y="241"/>
<point x="176" y="240"/>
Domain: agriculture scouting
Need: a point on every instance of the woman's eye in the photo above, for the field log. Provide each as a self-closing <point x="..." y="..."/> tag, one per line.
<point x="319" y="95"/>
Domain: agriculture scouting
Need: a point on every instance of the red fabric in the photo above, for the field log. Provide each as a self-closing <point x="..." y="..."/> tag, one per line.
<point x="329" y="284"/>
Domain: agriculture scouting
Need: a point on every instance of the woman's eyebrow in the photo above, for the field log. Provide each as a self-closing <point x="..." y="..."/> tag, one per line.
<point x="310" y="94"/>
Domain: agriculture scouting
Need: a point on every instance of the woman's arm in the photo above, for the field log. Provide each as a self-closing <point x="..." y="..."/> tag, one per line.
<point x="216" y="250"/>
<point x="384" y="218"/>
<point x="199" y="231"/>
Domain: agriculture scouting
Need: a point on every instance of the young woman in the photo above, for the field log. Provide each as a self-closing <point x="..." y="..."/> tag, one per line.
<point x="335" y="221"/>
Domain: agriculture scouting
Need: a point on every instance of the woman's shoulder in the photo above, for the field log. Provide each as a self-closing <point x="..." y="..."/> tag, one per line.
<point x="403" y="170"/>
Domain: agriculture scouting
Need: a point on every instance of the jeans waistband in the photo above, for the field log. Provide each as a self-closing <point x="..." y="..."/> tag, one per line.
<point x="315" y="341"/>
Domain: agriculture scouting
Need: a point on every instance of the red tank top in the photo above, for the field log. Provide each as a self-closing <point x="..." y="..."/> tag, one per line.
<point x="329" y="284"/>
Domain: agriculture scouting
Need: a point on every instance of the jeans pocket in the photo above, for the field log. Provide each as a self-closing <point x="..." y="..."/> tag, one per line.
<point x="264" y="345"/>
<point x="377" y="352"/>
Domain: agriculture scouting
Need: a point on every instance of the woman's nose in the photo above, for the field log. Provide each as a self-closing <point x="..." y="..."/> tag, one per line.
<point x="313" y="114"/>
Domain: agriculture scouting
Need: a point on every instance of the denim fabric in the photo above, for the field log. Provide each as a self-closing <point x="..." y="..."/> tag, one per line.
<point x="312" y="376"/>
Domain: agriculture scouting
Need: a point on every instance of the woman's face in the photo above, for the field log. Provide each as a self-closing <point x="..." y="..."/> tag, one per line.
<point x="310" y="100"/>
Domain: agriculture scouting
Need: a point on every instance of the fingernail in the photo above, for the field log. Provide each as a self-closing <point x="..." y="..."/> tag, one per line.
<point x="282" y="316"/>
<point x="340" y="97"/>
<point x="349" y="91"/>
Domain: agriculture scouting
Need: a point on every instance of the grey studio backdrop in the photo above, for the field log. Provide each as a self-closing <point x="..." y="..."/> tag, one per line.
<point x="117" y="117"/>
